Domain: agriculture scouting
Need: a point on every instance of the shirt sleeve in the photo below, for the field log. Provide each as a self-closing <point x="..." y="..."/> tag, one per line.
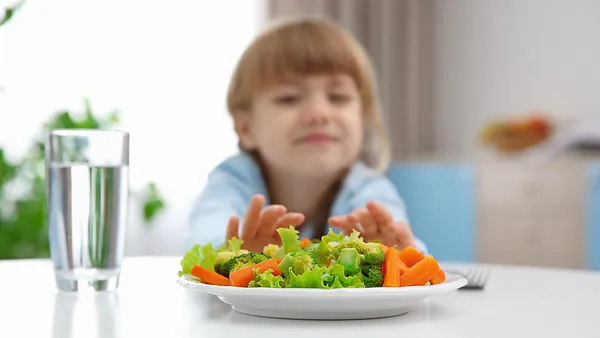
<point x="379" y="189"/>
<point x="227" y="193"/>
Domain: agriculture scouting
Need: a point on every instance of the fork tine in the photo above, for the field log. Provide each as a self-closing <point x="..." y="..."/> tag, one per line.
<point x="477" y="278"/>
<point x="486" y="275"/>
<point x="483" y="277"/>
<point x="466" y="274"/>
<point x="474" y="275"/>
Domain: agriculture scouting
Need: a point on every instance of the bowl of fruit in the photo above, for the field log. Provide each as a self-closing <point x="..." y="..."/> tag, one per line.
<point x="514" y="135"/>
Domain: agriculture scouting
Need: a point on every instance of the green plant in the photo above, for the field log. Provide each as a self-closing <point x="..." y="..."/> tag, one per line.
<point x="23" y="224"/>
<point x="7" y="13"/>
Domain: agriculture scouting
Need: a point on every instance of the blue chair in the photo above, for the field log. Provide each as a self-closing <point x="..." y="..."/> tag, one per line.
<point x="593" y="217"/>
<point x="441" y="206"/>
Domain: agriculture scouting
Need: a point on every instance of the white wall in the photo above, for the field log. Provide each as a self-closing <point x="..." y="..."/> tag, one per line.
<point x="499" y="57"/>
<point x="164" y="64"/>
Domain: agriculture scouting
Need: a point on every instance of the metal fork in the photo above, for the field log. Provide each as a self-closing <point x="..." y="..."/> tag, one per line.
<point x="476" y="277"/>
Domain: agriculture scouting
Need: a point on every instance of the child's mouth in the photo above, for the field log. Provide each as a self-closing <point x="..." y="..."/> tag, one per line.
<point x="317" y="139"/>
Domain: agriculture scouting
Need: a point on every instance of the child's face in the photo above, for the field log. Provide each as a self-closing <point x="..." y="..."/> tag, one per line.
<point x="312" y="126"/>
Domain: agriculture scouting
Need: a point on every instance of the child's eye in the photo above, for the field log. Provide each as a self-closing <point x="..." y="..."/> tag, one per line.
<point x="339" y="98"/>
<point x="287" y="99"/>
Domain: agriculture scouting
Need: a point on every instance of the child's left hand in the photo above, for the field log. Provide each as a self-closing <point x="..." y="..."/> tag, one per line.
<point x="376" y="223"/>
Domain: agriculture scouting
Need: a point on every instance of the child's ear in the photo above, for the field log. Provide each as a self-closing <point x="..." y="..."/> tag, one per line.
<point x="243" y="127"/>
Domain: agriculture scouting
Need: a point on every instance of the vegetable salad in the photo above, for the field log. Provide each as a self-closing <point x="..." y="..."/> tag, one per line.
<point x="334" y="261"/>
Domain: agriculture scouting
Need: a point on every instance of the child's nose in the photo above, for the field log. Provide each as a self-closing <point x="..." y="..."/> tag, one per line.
<point x="318" y="111"/>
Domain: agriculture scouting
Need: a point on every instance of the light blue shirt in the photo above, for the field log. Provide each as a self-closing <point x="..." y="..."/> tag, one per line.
<point x="232" y="184"/>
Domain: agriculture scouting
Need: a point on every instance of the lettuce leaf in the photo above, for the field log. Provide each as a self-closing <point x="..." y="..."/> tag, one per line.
<point x="332" y="237"/>
<point x="289" y="240"/>
<point x="202" y="255"/>
<point x="324" y="278"/>
<point x="266" y="280"/>
<point x="336" y="278"/>
<point x="235" y="244"/>
<point x="322" y="251"/>
<point x="354" y="236"/>
<point x="309" y="278"/>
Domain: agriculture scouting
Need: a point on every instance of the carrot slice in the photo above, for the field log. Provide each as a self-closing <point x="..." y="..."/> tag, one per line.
<point x="410" y="256"/>
<point x="402" y="267"/>
<point x="439" y="278"/>
<point x="209" y="277"/>
<point x="243" y="277"/>
<point x="420" y="273"/>
<point x="383" y="246"/>
<point x="305" y="242"/>
<point x="391" y="275"/>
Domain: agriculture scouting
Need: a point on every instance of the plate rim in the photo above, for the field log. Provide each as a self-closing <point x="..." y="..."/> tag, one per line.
<point x="457" y="282"/>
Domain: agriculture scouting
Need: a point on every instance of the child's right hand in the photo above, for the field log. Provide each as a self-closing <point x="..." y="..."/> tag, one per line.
<point x="260" y="224"/>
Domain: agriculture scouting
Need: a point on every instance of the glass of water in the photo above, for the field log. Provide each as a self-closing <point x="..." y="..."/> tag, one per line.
<point x="87" y="186"/>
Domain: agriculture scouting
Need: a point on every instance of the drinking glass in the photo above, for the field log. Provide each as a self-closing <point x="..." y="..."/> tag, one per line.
<point x="87" y="187"/>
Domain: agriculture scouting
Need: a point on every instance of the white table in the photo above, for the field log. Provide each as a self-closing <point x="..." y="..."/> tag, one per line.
<point x="517" y="302"/>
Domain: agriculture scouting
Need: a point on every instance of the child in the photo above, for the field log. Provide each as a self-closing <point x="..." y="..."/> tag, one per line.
<point x="304" y="104"/>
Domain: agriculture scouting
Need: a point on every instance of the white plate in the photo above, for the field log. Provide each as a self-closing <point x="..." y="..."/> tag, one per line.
<point x="324" y="304"/>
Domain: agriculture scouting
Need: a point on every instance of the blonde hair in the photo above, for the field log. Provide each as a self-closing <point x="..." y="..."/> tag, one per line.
<point x="304" y="46"/>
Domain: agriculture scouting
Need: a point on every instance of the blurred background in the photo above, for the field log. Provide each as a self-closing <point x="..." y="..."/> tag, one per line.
<point x="491" y="105"/>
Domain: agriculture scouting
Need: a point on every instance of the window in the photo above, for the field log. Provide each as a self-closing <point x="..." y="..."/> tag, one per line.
<point x="165" y="65"/>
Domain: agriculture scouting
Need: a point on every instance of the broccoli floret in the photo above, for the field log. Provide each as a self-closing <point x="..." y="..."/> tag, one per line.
<point x="242" y="261"/>
<point x="223" y="257"/>
<point x="351" y="260"/>
<point x="232" y="248"/>
<point x="322" y="251"/>
<point x="312" y="247"/>
<point x="267" y="280"/>
<point x="298" y="262"/>
<point x="372" y="252"/>
<point x="270" y="250"/>
<point x="372" y="276"/>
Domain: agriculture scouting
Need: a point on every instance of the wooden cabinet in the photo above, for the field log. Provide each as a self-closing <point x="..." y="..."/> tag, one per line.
<point x="532" y="213"/>
<point x="506" y="211"/>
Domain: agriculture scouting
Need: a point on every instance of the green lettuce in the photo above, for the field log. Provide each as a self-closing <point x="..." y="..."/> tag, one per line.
<point x="321" y="250"/>
<point x="202" y="255"/>
<point x="308" y="279"/>
<point x="266" y="280"/>
<point x="336" y="278"/>
<point x="324" y="278"/>
<point x="332" y="237"/>
<point x="234" y="245"/>
<point x="289" y="240"/>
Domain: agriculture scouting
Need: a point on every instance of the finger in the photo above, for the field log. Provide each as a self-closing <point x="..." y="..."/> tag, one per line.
<point x="253" y="216"/>
<point x="269" y="217"/>
<point x="346" y="223"/>
<point x="338" y="221"/>
<point x="366" y="221"/>
<point x="382" y="217"/>
<point x="404" y="235"/>
<point x="233" y="228"/>
<point x="354" y="223"/>
<point x="291" y="218"/>
<point x="341" y="222"/>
